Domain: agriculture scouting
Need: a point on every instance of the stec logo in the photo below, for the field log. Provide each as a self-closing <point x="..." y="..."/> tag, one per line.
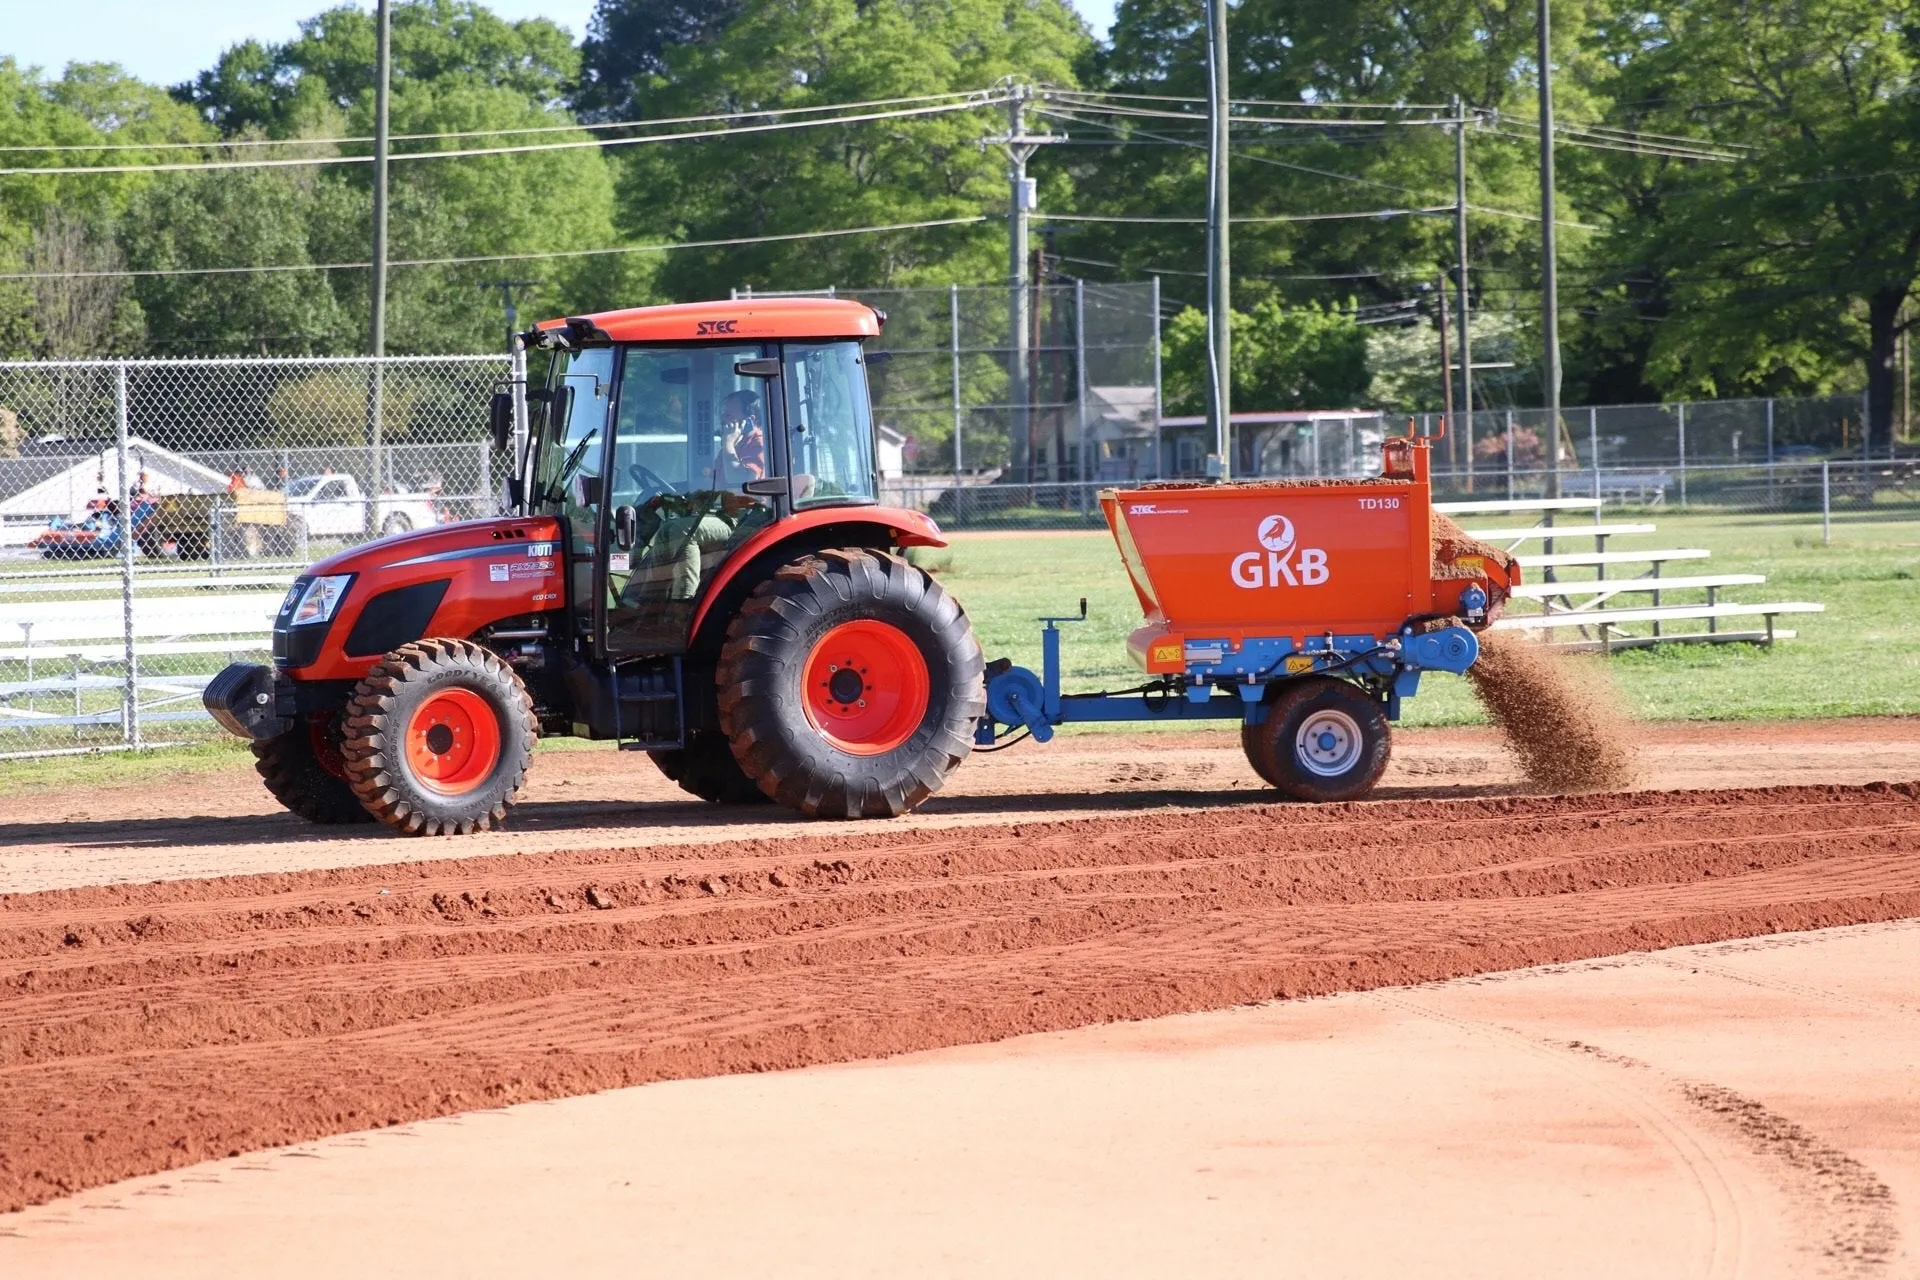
<point x="1282" y="563"/>
<point x="706" y="327"/>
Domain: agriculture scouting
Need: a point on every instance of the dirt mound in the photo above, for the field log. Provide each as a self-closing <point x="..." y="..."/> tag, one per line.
<point x="1561" y="718"/>
<point x="1454" y="551"/>
<point x="148" y="1026"/>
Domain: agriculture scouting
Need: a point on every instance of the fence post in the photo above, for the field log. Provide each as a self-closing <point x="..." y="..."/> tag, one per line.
<point x="1593" y="449"/>
<point x="1509" y="455"/>
<point x="953" y="355"/>
<point x="1826" y="504"/>
<point x="1158" y="408"/>
<point x="1080" y="384"/>
<point x="1770" y="458"/>
<point x="130" y="695"/>
<point x="1681" y="436"/>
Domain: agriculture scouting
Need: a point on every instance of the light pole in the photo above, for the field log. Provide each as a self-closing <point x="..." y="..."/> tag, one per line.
<point x="1219" y="290"/>
<point x="1549" y="267"/>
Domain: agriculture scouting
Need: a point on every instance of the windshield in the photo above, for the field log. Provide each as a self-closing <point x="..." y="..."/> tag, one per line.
<point x="575" y="424"/>
<point x="305" y="485"/>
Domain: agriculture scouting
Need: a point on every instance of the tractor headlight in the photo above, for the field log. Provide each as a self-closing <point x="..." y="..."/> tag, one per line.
<point x="321" y="598"/>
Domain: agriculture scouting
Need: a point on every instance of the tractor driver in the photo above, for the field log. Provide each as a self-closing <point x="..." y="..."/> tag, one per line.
<point x="684" y="536"/>
<point x="742" y="455"/>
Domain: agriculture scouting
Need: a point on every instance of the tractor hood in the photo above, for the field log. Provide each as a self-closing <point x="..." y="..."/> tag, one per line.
<point x="442" y="542"/>
<point x="453" y="580"/>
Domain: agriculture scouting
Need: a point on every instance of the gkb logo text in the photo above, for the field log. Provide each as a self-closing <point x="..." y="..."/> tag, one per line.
<point x="1281" y="563"/>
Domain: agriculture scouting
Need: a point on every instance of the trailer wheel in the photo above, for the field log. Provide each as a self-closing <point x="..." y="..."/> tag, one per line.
<point x="706" y="768"/>
<point x="850" y="684"/>
<point x="438" y="737"/>
<point x="304" y="771"/>
<point x="1323" y="740"/>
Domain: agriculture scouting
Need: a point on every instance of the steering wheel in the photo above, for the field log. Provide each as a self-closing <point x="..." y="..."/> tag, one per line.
<point x="649" y="480"/>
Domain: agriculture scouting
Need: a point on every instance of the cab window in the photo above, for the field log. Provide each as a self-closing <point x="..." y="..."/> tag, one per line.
<point x="829" y="423"/>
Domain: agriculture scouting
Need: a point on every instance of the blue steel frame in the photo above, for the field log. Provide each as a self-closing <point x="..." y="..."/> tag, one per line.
<point x="1223" y="681"/>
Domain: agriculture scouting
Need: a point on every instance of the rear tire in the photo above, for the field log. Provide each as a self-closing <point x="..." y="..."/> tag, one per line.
<point x="1323" y="740"/>
<point x="850" y="685"/>
<point x="304" y="771"/>
<point x="438" y="738"/>
<point x="395" y="524"/>
<point x="706" y="768"/>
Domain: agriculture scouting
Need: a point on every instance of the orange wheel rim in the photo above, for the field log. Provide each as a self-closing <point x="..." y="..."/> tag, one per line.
<point x="865" y="687"/>
<point x="453" y="741"/>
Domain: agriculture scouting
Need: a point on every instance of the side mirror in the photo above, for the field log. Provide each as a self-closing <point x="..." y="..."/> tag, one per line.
<point x="559" y="407"/>
<point x="626" y="528"/>
<point x="766" y="368"/>
<point x="500" y="419"/>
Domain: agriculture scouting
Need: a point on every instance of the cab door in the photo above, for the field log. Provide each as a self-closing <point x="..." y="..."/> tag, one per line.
<point x="571" y="475"/>
<point x="698" y="468"/>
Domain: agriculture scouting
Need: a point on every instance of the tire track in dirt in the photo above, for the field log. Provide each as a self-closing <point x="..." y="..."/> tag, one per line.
<point x="143" y="1027"/>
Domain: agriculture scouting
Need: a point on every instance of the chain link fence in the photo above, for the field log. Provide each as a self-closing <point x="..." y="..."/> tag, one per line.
<point x="152" y="514"/>
<point x="943" y="387"/>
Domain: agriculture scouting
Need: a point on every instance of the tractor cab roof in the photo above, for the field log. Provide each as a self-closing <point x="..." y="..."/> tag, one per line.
<point x="770" y="318"/>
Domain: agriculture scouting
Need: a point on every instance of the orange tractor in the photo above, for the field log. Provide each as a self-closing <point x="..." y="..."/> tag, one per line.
<point x="698" y="567"/>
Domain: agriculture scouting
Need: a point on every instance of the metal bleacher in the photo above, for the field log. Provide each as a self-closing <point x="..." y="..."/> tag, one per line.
<point x="1588" y="611"/>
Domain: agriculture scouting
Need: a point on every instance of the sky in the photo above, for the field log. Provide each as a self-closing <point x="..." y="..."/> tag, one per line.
<point x="168" y="41"/>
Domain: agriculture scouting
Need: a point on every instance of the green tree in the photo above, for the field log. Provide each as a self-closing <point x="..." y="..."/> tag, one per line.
<point x="1283" y="358"/>
<point x="233" y="218"/>
<point x="793" y="53"/>
<point x="1790" y="269"/>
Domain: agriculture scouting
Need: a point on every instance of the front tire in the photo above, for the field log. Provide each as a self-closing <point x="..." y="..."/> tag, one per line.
<point x="850" y="685"/>
<point x="705" y="767"/>
<point x="438" y="738"/>
<point x="1323" y="740"/>
<point x="304" y="770"/>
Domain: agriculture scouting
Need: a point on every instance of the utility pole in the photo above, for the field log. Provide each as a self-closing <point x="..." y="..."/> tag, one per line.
<point x="1446" y="363"/>
<point x="1022" y="200"/>
<point x="1549" y="264"/>
<point x="377" y="347"/>
<point x="1219" y="290"/>
<point x="1460" y="256"/>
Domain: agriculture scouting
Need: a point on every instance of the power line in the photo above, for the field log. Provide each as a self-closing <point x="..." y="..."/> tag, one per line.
<point x="494" y="133"/>
<point x="499" y="257"/>
<point x="212" y="165"/>
<point x="1279" y="164"/>
<point x="1262" y="102"/>
<point x="1244" y="218"/>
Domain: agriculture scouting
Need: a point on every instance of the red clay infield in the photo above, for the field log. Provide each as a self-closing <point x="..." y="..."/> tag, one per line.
<point x="144" y="1027"/>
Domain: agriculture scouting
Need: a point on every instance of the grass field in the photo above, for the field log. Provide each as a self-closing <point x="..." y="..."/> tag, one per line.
<point x="1860" y="657"/>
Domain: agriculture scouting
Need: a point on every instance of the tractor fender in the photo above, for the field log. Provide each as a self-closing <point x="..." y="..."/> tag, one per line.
<point x="806" y="532"/>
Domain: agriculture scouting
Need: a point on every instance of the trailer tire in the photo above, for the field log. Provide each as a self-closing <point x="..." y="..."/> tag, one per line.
<point x="1323" y="740"/>
<point x="438" y="738"/>
<point x="850" y="685"/>
<point x="304" y="771"/>
<point x="705" y="767"/>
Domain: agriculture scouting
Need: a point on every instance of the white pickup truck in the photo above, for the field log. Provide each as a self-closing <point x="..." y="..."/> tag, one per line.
<point x="333" y="506"/>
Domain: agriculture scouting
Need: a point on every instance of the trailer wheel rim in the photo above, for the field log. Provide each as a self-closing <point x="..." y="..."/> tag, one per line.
<point x="1328" y="744"/>
<point x="865" y="687"/>
<point x="453" y="741"/>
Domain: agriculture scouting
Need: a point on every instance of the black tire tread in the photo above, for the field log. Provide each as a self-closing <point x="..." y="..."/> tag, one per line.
<point x="369" y="738"/>
<point x="761" y="642"/>
<point x="1270" y="760"/>
<point x="706" y="768"/>
<point x="298" y="781"/>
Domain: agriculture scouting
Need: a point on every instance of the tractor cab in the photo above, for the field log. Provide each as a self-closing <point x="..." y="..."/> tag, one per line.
<point x="666" y="449"/>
